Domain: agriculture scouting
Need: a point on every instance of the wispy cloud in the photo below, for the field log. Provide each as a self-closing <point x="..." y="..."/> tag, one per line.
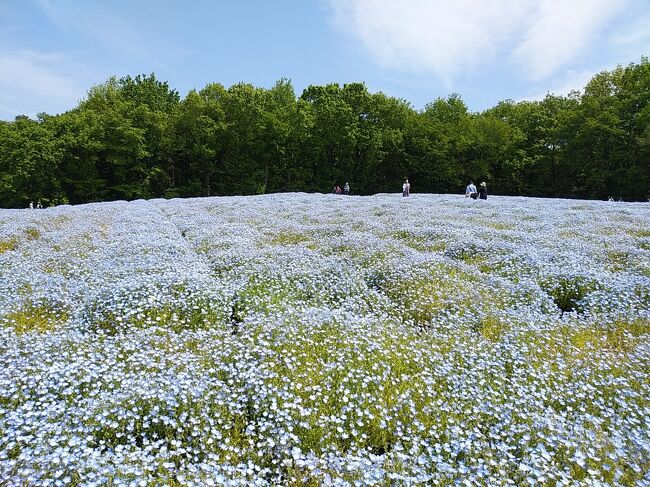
<point x="558" y="31"/>
<point x="92" y="42"/>
<point x="117" y="35"/>
<point x="564" y="83"/>
<point x="633" y="38"/>
<point x="427" y="36"/>
<point x="536" y="37"/>
<point x="39" y="82"/>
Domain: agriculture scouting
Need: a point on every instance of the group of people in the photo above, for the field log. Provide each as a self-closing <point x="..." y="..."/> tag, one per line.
<point x="472" y="192"/>
<point x="38" y="205"/>
<point x="345" y="190"/>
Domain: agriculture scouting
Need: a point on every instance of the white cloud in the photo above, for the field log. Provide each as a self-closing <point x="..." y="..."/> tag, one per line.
<point x="559" y="31"/>
<point x="566" y="82"/>
<point x="39" y="81"/>
<point x="436" y="37"/>
<point x="445" y="38"/>
<point x="118" y="35"/>
<point x="114" y="33"/>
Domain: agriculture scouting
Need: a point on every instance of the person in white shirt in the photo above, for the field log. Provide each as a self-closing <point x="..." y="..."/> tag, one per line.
<point x="470" y="191"/>
<point x="406" y="188"/>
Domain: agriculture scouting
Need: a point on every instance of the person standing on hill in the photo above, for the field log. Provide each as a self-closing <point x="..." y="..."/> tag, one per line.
<point x="482" y="191"/>
<point x="346" y="188"/>
<point x="406" y="188"/>
<point x="470" y="190"/>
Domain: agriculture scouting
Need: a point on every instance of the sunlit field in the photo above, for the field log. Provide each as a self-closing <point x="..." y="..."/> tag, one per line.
<point x="326" y="340"/>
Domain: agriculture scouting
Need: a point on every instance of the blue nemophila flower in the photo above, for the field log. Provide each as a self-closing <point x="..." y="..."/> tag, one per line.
<point x="303" y="338"/>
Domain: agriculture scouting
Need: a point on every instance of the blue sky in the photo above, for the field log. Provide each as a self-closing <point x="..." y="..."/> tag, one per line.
<point x="52" y="51"/>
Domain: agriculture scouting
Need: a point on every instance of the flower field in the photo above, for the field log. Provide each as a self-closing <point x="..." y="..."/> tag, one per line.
<point x="299" y="339"/>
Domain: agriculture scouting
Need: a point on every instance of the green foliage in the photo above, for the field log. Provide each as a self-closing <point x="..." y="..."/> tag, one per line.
<point x="491" y="327"/>
<point x="621" y="335"/>
<point x="8" y="244"/>
<point x="290" y="238"/>
<point x="134" y="137"/>
<point x="168" y="316"/>
<point x="567" y="293"/>
<point x="35" y="318"/>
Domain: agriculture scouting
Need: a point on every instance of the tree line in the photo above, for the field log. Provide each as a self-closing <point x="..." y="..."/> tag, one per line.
<point x="135" y="137"/>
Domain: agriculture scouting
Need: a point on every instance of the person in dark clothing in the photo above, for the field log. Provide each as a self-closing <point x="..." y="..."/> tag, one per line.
<point x="482" y="191"/>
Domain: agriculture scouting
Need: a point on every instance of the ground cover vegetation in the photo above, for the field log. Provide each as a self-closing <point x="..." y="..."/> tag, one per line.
<point x="300" y="339"/>
<point x="135" y="137"/>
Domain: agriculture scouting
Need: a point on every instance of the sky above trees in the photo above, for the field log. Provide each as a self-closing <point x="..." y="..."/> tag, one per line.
<point x="486" y="50"/>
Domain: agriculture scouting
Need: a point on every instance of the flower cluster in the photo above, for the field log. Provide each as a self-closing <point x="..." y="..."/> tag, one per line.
<point x="314" y="340"/>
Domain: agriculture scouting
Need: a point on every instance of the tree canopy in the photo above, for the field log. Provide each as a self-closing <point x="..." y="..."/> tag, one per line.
<point x="135" y="137"/>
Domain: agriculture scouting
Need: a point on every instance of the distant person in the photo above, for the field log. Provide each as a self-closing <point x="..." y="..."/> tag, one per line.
<point x="470" y="190"/>
<point x="610" y="198"/>
<point x="38" y="205"/>
<point x="31" y="205"/>
<point x="338" y="190"/>
<point x="406" y="188"/>
<point x="346" y="188"/>
<point x="482" y="191"/>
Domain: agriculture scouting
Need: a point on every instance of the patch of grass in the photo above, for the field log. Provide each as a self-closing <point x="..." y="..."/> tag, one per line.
<point x="527" y="218"/>
<point x="640" y="233"/>
<point x="354" y="253"/>
<point x="54" y="266"/>
<point x="206" y="246"/>
<point x="80" y="245"/>
<point x="409" y="239"/>
<point x="621" y="335"/>
<point x="499" y="225"/>
<point x="419" y="299"/>
<point x="618" y="261"/>
<point x="567" y="292"/>
<point x="491" y="221"/>
<point x="292" y="238"/>
<point x="420" y="242"/>
<point x="491" y="327"/>
<point x="59" y="221"/>
<point x="25" y="289"/>
<point x="644" y="244"/>
<point x="8" y="244"/>
<point x="568" y="234"/>
<point x="468" y="253"/>
<point x="438" y="246"/>
<point x="175" y="318"/>
<point x="32" y="233"/>
<point x="35" y="318"/>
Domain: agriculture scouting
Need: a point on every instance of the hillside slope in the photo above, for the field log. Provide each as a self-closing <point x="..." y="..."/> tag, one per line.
<point x="294" y="337"/>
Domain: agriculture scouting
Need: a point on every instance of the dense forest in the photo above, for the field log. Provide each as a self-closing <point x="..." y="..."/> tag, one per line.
<point x="135" y="137"/>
